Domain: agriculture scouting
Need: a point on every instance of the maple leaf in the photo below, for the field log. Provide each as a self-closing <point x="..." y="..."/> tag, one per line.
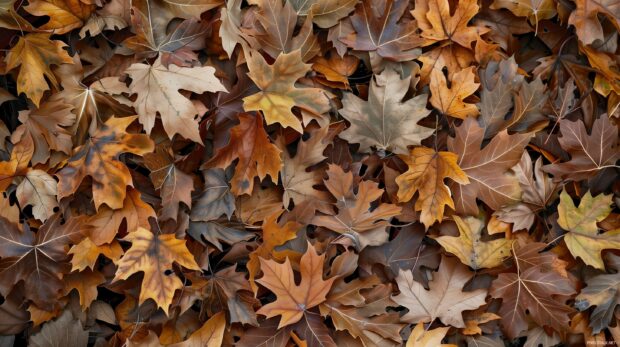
<point x="586" y="21"/>
<point x="153" y="255"/>
<point x="384" y="121"/>
<point x="273" y="30"/>
<point x="505" y="90"/>
<point x="39" y="260"/>
<point x="292" y="299"/>
<point x="229" y="290"/>
<point x="85" y="283"/>
<point x="279" y="94"/>
<point x="368" y="320"/>
<point x="538" y="191"/>
<point x="65" y="330"/>
<point x="273" y="235"/>
<point x="298" y="183"/>
<point x="10" y="19"/>
<point x="64" y="15"/>
<point x="257" y="156"/>
<point x="86" y="253"/>
<point x="355" y="218"/>
<point x="405" y="252"/>
<point x="534" y="10"/>
<point x="211" y="334"/>
<point x="470" y="248"/>
<point x="486" y="169"/>
<point x="450" y="101"/>
<point x="590" y="153"/>
<point x="98" y="158"/>
<point x="536" y="291"/>
<point x="150" y="20"/>
<point x="445" y="300"/>
<point x="35" y="53"/>
<point x="325" y="14"/>
<point x="379" y="28"/>
<point x="102" y="227"/>
<point x="91" y="104"/>
<point x="38" y="189"/>
<point x="158" y="88"/>
<point x="45" y="127"/>
<point x="583" y="238"/>
<point x="601" y="291"/>
<point x="439" y="22"/>
<point x="175" y="186"/>
<point x="426" y="173"/>
<point x="421" y="337"/>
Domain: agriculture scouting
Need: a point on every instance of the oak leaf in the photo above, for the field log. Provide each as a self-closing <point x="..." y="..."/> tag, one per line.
<point x="385" y="122"/>
<point x="153" y="255"/>
<point x="425" y="175"/>
<point x="583" y="238"/>
<point x="451" y="101"/>
<point x="292" y="299"/>
<point x="471" y="249"/>
<point x="158" y="88"/>
<point x="98" y="158"/>
<point x="35" y="53"/>
<point x="445" y="300"/>
<point x="279" y="94"/>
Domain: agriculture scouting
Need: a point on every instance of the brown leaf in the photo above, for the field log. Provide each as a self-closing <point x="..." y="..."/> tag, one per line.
<point x="293" y="300"/>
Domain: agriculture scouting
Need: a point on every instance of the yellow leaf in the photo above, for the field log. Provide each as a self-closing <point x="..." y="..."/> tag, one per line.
<point x="426" y="174"/>
<point x="583" y="239"/>
<point x="153" y="255"/>
<point x="35" y="53"/>
<point x="450" y="101"/>
<point x="421" y="337"/>
<point x="469" y="247"/>
<point x="278" y="92"/>
<point x="210" y="335"/>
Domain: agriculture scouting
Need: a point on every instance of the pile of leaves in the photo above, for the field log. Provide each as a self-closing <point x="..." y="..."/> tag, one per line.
<point x="309" y="173"/>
